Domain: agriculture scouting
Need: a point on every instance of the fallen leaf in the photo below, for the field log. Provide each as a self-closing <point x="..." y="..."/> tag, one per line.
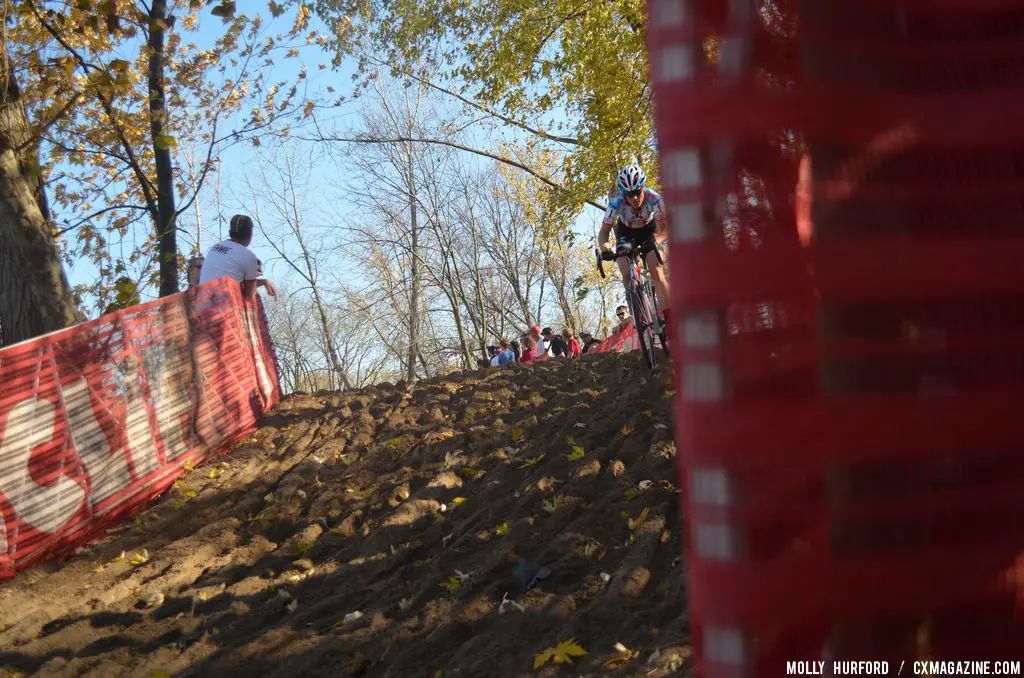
<point x="215" y="473"/>
<point x="626" y="429"/>
<point x="553" y="504"/>
<point x="458" y="500"/>
<point x="140" y="558"/>
<point x="625" y="655"/>
<point x="187" y="465"/>
<point x="501" y="529"/>
<point x="349" y="618"/>
<point x="639" y="520"/>
<point x="509" y="606"/>
<point x="577" y="453"/>
<point x="533" y="461"/>
<point x="559" y="654"/>
<point x="517" y="434"/>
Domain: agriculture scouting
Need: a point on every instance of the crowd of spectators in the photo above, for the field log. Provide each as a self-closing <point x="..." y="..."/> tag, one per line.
<point x="538" y="344"/>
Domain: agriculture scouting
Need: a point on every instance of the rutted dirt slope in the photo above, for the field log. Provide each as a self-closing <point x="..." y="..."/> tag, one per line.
<point x="412" y="513"/>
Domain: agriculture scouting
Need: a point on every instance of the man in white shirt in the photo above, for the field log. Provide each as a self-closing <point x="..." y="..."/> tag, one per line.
<point x="543" y="343"/>
<point x="234" y="259"/>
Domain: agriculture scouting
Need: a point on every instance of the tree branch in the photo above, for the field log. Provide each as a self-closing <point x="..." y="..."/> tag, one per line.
<point x="485" y="109"/>
<point x="41" y="129"/>
<point x="449" y="144"/>
<point x="144" y="182"/>
<point x="97" y="213"/>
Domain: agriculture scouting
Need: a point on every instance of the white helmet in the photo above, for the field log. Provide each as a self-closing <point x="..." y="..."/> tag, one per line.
<point x="631" y="178"/>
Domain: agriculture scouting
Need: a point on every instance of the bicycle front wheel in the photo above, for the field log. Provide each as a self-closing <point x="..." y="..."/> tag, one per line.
<point x="644" y="320"/>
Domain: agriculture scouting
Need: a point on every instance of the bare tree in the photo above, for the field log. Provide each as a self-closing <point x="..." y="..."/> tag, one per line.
<point x="396" y="226"/>
<point x="281" y="187"/>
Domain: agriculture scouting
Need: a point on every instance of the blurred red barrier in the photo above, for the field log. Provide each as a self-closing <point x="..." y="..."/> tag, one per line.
<point x="845" y="183"/>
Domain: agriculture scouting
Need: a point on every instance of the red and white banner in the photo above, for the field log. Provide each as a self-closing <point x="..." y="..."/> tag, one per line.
<point x="624" y="338"/>
<point x="98" y="419"/>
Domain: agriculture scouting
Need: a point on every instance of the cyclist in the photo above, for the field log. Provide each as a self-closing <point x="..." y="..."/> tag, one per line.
<point x="638" y="216"/>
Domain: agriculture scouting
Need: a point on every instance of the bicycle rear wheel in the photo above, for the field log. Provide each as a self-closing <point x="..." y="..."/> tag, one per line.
<point x="646" y="337"/>
<point x="644" y="319"/>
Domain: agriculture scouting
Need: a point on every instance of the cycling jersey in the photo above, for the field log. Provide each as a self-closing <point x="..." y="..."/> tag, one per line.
<point x="651" y="209"/>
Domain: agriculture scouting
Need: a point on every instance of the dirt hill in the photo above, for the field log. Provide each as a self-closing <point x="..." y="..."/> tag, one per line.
<point x="378" y="532"/>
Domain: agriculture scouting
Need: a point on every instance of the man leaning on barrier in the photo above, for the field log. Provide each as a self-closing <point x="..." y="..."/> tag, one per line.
<point x="234" y="259"/>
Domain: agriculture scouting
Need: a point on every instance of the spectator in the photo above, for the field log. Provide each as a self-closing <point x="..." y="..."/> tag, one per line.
<point x="556" y="344"/>
<point x="541" y="346"/>
<point x="516" y="350"/>
<point x="233" y="259"/>
<point x="493" y="352"/>
<point x="572" y="342"/>
<point x="587" y="340"/>
<point x="529" y="349"/>
<point x="623" y="315"/>
<point x="506" y="356"/>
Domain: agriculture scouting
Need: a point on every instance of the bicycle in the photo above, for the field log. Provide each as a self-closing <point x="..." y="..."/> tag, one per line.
<point x="640" y="296"/>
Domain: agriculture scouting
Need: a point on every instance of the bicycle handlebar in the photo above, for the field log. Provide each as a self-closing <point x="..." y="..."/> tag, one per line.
<point x="627" y="250"/>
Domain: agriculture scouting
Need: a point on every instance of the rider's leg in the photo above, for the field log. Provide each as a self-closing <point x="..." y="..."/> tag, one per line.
<point x="660" y="280"/>
<point x="624" y="270"/>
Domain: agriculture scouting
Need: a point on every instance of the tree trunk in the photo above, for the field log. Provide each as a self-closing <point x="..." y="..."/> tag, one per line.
<point x="35" y="297"/>
<point x="165" y="226"/>
<point x="414" y="292"/>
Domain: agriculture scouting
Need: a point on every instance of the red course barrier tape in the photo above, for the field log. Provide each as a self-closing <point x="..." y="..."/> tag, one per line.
<point x="98" y="419"/>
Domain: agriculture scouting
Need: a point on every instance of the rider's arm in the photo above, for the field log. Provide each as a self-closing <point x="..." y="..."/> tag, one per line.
<point x="606" y="228"/>
<point x="604" y="235"/>
<point x="660" y="221"/>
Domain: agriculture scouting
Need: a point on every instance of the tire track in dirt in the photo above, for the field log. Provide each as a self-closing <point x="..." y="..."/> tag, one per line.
<point x="410" y="506"/>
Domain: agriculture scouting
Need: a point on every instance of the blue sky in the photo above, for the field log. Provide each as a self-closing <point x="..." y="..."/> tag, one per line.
<point x="245" y="158"/>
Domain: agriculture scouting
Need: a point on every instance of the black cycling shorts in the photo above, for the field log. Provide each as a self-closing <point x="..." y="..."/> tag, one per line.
<point x="634" y="236"/>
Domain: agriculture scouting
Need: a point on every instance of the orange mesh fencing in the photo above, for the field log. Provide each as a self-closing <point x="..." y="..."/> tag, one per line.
<point x="98" y="419"/>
